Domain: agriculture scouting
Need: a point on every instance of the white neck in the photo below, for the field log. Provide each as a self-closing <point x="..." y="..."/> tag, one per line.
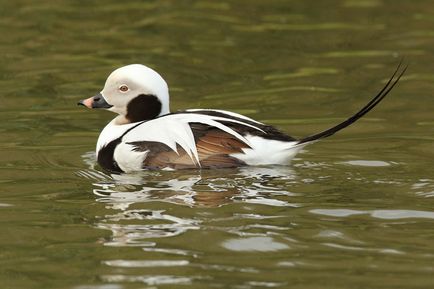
<point x="112" y="131"/>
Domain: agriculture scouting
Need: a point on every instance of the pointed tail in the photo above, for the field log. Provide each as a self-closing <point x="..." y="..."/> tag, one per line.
<point x="376" y="100"/>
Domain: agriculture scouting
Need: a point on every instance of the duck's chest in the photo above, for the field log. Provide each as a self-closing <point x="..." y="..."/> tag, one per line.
<point x="108" y="144"/>
<point x="106" y="159"/>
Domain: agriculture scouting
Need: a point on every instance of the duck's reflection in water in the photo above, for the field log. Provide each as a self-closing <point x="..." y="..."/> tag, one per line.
<point x="154" y="224"/>
<point x="207" y="188"/>
<point x="134" y="224"/>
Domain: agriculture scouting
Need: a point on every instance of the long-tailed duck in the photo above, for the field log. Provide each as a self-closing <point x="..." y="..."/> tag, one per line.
<point x="146" y="135"/>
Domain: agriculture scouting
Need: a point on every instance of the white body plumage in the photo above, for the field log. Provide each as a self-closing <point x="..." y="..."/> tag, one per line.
<point x="174" y="131"/>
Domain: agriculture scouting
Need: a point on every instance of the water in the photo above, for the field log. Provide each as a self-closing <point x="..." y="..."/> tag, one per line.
<point x="353" y="211"/>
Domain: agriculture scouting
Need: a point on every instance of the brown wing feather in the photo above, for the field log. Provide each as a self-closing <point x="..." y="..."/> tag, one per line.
<point x="214" y="147"/>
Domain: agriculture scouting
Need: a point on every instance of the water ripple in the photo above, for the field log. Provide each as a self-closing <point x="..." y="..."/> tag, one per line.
<point x="379" y="214"/>
<point x="146" y="263"/>
<point x="354" y="248"/>
<point x="151" y="279"/>
<point x="261" y="244"/>
<point x="138" y="234"/>
<point x="424" y="187"/>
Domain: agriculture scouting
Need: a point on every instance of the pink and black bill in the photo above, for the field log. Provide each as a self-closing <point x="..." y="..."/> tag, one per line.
<point x="96" y="101"/>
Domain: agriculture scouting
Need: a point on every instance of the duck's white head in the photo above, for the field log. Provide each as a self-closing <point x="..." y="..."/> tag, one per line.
<point x="135" y="91"/>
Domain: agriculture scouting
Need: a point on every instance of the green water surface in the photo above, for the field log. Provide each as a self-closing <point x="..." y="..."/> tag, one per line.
<point x="352" y="211"/>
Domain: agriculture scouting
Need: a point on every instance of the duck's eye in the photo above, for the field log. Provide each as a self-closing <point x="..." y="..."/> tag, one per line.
<point x="123" y="88"/>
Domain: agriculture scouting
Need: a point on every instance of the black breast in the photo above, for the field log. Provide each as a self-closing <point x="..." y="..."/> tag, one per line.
<point x="106" y="159"/>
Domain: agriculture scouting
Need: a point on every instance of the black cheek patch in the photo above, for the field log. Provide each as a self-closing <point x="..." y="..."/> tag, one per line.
<point x="143" y="107"/>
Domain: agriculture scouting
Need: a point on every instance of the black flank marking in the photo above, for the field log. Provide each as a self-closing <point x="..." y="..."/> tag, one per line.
<point x="143" y="107"/>
<point x="105" y="157"/>
<point x="270" y="132"/>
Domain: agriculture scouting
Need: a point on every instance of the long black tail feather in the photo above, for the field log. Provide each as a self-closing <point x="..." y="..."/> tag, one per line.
<point x="376" y="100"/>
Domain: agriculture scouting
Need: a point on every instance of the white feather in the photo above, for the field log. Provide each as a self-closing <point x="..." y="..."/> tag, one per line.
<point x="129" y="160"/>
<point x="173" y="130"/>
<point x="229" y="113"/>
<point x="268" y="152"/>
